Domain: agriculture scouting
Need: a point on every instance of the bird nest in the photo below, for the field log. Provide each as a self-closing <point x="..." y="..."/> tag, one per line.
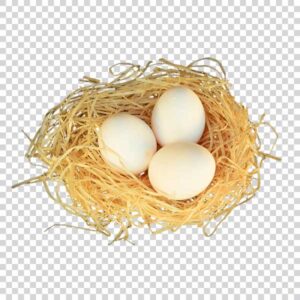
<point x="67" y="145"/>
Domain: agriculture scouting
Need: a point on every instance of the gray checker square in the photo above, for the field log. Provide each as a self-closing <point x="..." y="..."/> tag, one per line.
<point x="46" y="46"/>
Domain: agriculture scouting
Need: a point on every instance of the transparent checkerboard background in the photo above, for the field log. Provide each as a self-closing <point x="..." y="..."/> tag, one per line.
<point x="45" y="49"/>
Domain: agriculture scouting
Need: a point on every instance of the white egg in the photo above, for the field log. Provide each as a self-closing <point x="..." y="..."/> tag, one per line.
<point x="178" y="116"/>
<point x="126" y="143"/>
<point x="181" y="170"/>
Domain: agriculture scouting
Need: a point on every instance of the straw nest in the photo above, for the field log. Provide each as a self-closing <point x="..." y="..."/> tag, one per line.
<point x="67" y="144"/>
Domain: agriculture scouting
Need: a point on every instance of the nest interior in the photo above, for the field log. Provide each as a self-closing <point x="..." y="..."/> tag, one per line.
<point x="67" y="144"/>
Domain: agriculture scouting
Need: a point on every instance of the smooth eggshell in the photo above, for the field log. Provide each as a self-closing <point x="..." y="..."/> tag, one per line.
<point x="126" y="143"/>
<point x="181" y="170"/>
<point x="178" y="116"/>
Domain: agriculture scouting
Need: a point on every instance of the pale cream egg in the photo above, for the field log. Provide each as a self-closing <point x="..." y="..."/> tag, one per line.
<point x="178" y="116"/>
<point x="126" y="143"/>
<point x="180" y="171"/>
